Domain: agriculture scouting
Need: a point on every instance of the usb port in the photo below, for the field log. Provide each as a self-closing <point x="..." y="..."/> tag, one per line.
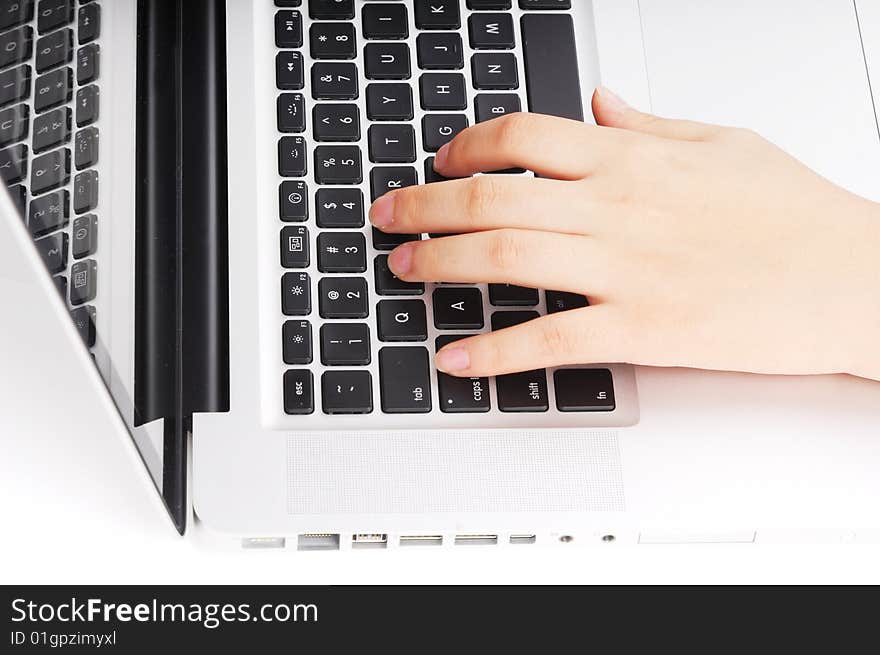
<point x="522" y="538"/>
<point x="476" y="539"/>
<point x="373" y="540"/>
<point x="421" y="540"/>
<point x="315" y="541"/>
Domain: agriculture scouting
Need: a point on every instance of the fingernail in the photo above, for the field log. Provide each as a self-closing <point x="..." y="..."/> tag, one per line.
<point x="611" y="100"/>
<point x="441" y="157"/>
<point x="453" y="359"/>
<point x="382" y="211"/>
<point x="400" y="260"/>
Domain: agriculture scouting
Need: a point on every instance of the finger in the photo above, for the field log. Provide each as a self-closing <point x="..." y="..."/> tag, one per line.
<point x="580" y="336"/>
<point x="550" y="146"/>
<point x="545" y="260"/>
<point x="485" y="202"/>
<point x="611" y="111"/>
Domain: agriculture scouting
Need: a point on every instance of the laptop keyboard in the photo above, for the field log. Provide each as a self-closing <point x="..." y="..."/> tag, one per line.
<point x="49" y="107"/>
<point x="367" y="92"/>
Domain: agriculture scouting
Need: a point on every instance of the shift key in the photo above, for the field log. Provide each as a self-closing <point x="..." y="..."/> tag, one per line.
<point x="520" y="392"/>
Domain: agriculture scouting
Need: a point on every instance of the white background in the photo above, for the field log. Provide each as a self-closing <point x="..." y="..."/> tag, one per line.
<point x="76" y="507"/>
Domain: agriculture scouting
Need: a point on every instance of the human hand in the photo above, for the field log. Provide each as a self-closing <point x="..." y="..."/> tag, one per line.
<point x="697" y="246"/>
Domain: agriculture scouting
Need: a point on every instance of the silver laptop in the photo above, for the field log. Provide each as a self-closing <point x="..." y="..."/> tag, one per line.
<point x="214" y="256"/>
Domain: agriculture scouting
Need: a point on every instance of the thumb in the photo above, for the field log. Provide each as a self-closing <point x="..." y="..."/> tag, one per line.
<point x="611" y="111"/>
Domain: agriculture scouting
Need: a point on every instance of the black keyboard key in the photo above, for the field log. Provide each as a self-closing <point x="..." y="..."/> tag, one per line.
<point x="291" y="113"/>
<point x="402" y="320"/>
<point x="389" y="102"/>
<point x="494" y="71"/>
<point x="61" y="286"/>
<point x="54" y="49"/>
<point x="338" y="165"/>
<point x="89" y="23"/>
<point x="387" y="61"/>
<point x="388" y="284"/>
<point x="511" y="295"/>
<point x="584" y="390"/>
<point x="523" y="392"/>
<point x="14" y="124"/>
<point x="404" y="380"/>
<point x="332" y="41"/>
<point x="561" y="301"/>
<point x="19" y="197"/>
<point x="52" y="129"/>
<point x="388" y="178"/>
<point x="520" y="392"/>
<point x="347" y="392"/>
<point x="292" y="160"/>
<point x="296" y="342"/>
<point x="288" y="29"/>
<point x="488" y="4"/>
<point x="550" y="55"/>
<point x="53" y="251"/>
<point x="385" y="21"/>
<point x="340" y="208"/>
<point x="49" y="212"/>
<point x="334" y="81"/>
<point x="331" y="9"/>
<point x="296" y="294"/>
<point x="295" y="247"/>
<point x="88" y="64"/>
<point x="16" y="46"/>
<point x="343" y="297"/>
<point x="15" y="85"/>
<point x="85" y="192"/>
<point x="84" y="321"/>
<point x="545" y="4"/>
<point x="85" y="236"/>
<point x="88" y="106"/>
<point x="336" y="122"/>
<point x="489" y="106"/>
<point x="53" y="13"/>
<point x="390" y="144"/>
<point x="289" y="74"/>
<point x="458" y="308"/>
<point x="288" y="3"/>
<point x="461" y="395"/>
<point x="14" y="164"/>
<point x="440" y="129"/>
<point x="345" y="344"/>
<point x="443" y="91"/>
<point x="50" y="171"/>
<point x="438" y="14"/>
<point x="385" y="241"/>
<point x="83" y="282"/>
<point x="293" y="199"/>
<point x="503" y="320"/>
<point x="15" y="12"/>
<point x="440" y="50"/>
<point x="299" y="392"/>
<point x="491" y="32"/>
<point x="342" y="252"/>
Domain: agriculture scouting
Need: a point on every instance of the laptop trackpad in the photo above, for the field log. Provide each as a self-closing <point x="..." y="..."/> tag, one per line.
<point x="793" y="71"/>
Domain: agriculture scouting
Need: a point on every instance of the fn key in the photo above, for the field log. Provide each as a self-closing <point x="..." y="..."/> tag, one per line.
<point x="584" y="390"/>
